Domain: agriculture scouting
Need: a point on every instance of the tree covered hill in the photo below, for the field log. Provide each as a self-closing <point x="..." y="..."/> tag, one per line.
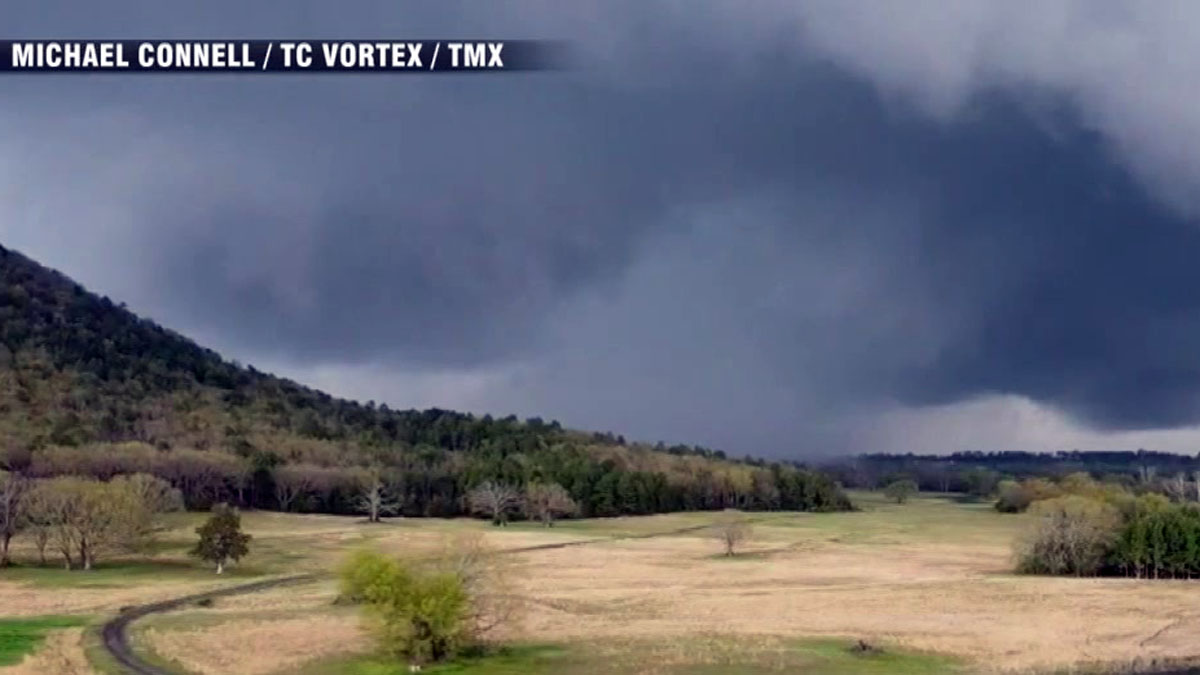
<point x="86" y="386"/>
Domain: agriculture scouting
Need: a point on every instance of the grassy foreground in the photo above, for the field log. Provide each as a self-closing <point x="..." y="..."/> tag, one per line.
<point x="930" y="581"/>
<point x="19" y="637"/>
<point x="719" y="656"/>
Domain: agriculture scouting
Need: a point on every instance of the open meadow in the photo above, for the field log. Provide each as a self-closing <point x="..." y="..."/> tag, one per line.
<point x="928" y="582"/>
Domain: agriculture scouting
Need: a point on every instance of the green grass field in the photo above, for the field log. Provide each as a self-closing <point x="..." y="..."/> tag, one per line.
<point x="121" y="573"/>
<point x="19" y="637"/>
<point x="928" y="518"/>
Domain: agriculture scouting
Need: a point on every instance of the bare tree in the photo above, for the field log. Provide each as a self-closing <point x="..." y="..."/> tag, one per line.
<point x="53" y="505"/>
<point x="291" y="482"/>
<point x="732" y="529"/>
<point x="547" y="501"/>
<point x="1067" y="535"/>
<point x="12" y="493"/>
<point x="146" y="497"/>
<point x="1146" y="473"/>
<point x="1196" y="483"/>
<point x="495" y="500"/>
<point x="488" y="578"/>
<point x="38" y="517"/>
<point x="377" y="498"/>
<point x="1177" y="488"/>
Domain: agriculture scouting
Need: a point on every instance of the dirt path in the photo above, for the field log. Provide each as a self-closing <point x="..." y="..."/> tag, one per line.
<point x="116" y="638"/>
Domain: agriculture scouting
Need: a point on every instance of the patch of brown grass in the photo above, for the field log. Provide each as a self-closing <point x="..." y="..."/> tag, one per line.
<point x="254" y="647"/>
<point x="933" y="597"/>
<point x="19" y="599"/>
<point x="932" y="576"/>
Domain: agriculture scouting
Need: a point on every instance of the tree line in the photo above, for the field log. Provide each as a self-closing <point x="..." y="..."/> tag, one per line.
<point x="430" y="481"/>
<point x="980" y="473"/>
<point x="81" y="519"/>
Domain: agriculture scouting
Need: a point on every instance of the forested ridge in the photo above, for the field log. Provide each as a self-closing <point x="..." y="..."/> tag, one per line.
<point x="87" y="387"/>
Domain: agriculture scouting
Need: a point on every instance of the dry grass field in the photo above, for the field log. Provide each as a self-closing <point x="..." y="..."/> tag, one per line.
<point x="929" y="581"/>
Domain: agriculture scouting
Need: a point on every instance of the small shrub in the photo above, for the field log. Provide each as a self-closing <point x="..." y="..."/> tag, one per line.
<point x="732" y="530"/>
<point x="863" y="647"/>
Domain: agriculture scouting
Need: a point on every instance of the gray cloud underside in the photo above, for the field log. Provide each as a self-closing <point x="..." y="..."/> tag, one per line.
<point x="738" y="230"/>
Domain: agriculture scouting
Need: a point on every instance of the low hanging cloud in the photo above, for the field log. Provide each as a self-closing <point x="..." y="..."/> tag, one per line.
<point x="788" y="228"/>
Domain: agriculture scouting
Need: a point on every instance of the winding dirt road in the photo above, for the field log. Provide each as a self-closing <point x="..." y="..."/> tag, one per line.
<point x="115" y="636"/>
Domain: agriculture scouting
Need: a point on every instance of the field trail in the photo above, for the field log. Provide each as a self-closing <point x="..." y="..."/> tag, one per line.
<point x="932" y="575"/>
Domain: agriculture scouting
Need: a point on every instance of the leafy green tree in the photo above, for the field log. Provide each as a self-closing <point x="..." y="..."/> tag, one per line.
<point x="900" y="491"/>
<point x="221" y="538"/>
<point x="1129" y="551"/>
<point x="418" y="614"/>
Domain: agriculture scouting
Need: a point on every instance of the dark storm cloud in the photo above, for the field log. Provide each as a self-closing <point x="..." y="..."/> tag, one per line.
<point x="1067" y="283"/>
<point x="710" y="229"/>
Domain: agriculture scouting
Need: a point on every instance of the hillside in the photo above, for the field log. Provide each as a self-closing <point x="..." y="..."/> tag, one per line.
<point x="86" y="386"/>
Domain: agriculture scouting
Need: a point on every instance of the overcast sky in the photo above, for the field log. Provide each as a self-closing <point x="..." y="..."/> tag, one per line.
<point x="782" y="228"/>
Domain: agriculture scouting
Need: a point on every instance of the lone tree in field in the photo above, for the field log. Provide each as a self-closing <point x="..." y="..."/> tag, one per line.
<point x="547" y="501"/>
<point x="426" y="609"/>
<point x="495" y="500"/>
<point x="899" y="491"/>
<point x="221" y="538"/>
<point x="375" y="497"/>
<point x="732" y="530"/>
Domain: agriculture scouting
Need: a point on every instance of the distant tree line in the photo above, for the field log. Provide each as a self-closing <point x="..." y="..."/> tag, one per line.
<point x="429" y="481"/>
<point x="981" y="473"/>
